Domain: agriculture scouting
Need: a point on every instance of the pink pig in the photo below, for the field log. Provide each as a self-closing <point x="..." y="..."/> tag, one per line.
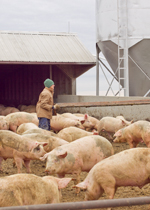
<point x="20" y="148"/>
<point x="84" y="119"/>
<point x="77" y="156"/>
<point x="59" y="122"/>
<point x="29" y="189"/>
<point x="72" y="133"/>
<point x="134" y="134"/>
<point x="111" y="124"/>
<point x="93" y="120"/>
<point x="127" y="168"/>
<point x="17" y="118"/>
<point x="3" y="123"/>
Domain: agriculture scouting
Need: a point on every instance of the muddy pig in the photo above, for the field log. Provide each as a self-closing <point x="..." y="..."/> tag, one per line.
<point x="17" y="118"/>
<point x="26" y="126"/>
<point x="72" y="133"/>
<point x="3" y="123"/>
<point x="59" y="122"/>
<point x="134" y="134"/>
<point x="77" y="156"/>
<point x="127" y="168"/>
<point x="111" y="124"/>
<point x="20" y="148"/>
<point x="29" y="189"/>
<point x="52" y="141"/>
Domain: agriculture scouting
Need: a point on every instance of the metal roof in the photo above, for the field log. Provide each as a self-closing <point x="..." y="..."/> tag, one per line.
<point x="23" y="47"/>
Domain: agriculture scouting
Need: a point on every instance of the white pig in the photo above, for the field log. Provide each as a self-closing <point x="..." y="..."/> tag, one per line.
<point x="127" y="168"/>
<point x="29" y="189"/>
<point x="26" y="126"/>
<point x="77" y="156"/>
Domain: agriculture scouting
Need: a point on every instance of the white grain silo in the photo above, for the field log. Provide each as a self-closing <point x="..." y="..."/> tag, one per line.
<point x="123" y="36"/>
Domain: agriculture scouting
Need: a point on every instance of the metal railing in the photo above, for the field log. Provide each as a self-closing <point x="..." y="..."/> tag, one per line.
<point x="85" y="204"/>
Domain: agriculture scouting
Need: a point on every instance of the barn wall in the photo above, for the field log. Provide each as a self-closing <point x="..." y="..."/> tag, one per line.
<point x="22" y="84"/>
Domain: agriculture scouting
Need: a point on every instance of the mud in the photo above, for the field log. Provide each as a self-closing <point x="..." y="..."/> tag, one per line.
<point x="69" y="195"/>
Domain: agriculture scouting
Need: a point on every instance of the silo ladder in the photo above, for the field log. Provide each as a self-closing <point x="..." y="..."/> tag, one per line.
<point x="122" y="12"/>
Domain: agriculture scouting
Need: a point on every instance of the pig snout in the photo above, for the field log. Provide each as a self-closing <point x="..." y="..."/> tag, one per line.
<point x="116" y="140"/>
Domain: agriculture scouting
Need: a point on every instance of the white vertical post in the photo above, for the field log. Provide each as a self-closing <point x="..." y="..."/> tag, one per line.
<point x="97" y="70"/>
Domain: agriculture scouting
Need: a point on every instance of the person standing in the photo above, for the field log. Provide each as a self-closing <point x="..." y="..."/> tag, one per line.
<point x="45" y="105"/>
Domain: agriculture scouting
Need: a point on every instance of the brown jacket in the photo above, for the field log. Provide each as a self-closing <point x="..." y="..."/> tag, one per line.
<point x="45" y="104"/>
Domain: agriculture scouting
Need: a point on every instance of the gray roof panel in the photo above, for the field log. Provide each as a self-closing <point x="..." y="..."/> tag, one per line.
<point x="43" y="47"/>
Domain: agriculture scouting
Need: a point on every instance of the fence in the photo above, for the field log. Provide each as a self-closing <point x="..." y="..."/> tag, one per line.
<point x="85" y="204"/>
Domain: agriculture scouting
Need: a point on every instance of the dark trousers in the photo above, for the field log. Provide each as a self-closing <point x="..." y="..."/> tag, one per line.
<point x="44" y="123"/>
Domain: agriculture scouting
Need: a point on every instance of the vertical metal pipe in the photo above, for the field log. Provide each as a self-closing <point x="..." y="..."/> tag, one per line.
<point x="97" y="70"/>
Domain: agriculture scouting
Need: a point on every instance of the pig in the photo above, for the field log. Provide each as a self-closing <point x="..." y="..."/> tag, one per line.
<point x="52" y="141"/>
<point x="59" y="122"/>
<point x="3" y="123"/>
<point x="134" y="134"/>
<point x="87" y="124"/>
<point x="26" y="126"/>
<point x="2" y="107"/>
<point x="9" y="110"/>
<point x="77" y="156"/>
<point x="20" y="148"/>
<point x="111" y="124"/>
<point x="29" y="189"/>
<point x="94" y="120"/>
<point x="72" y="133"/>
<point x="39" y="130"/>
<point x="30" y="109"/>
<point x="127" y="168"/>
<point x="17" y="118"/>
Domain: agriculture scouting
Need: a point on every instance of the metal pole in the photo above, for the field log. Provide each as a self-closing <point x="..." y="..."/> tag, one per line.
<point x="85" y="204"/>
<point x="97" y="70"/>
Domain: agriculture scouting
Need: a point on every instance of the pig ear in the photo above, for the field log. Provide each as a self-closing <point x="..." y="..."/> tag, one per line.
<point x="62" y="183"/>
<point x="44" y="157"/>
<point x="81" y="185"/>
<point x="118" y="133"/>
<point x="62" y="154"/>
<point x="82" y="121"/>
<point x="44" y="143"/>
<point x="123" y="122"/>
<point x="95" y="132"/>
<point x="41" y="143"/>
<point x="86" y="116"/>
<point x="132" y="121"/>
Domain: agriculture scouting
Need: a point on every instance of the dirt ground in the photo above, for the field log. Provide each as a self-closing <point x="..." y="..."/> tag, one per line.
<point x="68" y="194"/>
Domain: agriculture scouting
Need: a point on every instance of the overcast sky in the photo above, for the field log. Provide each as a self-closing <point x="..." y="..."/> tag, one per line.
<point x="57" y="16"/>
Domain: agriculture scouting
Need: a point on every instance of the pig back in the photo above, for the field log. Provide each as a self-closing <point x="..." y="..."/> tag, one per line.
<point x="20" y="189"/>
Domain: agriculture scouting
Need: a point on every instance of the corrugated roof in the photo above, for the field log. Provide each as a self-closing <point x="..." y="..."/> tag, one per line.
<point x="43" y="48"/>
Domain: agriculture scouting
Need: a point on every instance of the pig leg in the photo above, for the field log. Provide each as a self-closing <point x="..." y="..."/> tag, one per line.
<point x="132" y="144"/>
<point x="76" y="179"/>
<point x="146" y="139"/>
<point x="13" y="127"/>
<point x="27" y="165"/>
<point x="110" y="188"/>
<point x="1" y="159"/>
<point x="18" y="162"/>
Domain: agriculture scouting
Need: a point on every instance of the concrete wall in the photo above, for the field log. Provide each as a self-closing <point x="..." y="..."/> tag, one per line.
<point x="129" y="111"/>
